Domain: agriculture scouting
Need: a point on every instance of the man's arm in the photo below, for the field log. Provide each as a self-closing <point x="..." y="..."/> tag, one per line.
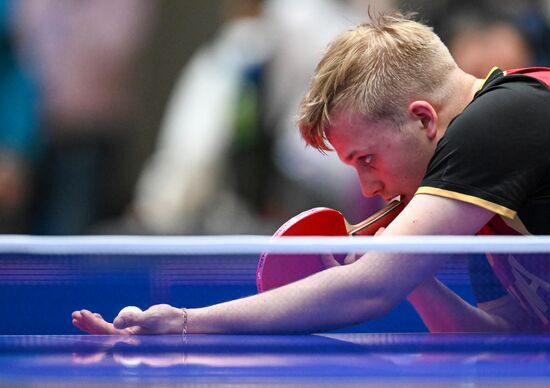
<point x="439" y="307"/>
<point x="342" y="295"/>
<point x="442" y="310"/>
<point x="349" y="294"/>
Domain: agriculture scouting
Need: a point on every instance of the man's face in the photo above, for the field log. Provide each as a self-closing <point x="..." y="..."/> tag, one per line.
<point x="389" y="161"/>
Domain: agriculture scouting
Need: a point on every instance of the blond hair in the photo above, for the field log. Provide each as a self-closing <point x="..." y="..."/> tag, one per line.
<point x="374" y="70"/>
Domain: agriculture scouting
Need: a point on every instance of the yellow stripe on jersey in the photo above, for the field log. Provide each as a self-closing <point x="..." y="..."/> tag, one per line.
<point x="498" y="209"/>
<point x="489" y="75"/>
<point x="517" y="224"/>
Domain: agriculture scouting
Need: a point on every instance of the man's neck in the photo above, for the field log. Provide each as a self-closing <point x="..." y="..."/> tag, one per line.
<point x="464" y="87"/>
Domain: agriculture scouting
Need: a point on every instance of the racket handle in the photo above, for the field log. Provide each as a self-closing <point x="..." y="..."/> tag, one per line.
<point x="380" y="219"/>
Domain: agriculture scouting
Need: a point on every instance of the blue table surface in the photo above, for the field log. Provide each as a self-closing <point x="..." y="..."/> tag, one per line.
<point x="329" y="359"/>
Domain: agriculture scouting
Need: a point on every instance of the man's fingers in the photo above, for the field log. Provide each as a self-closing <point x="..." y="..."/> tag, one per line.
<point x="350" y="258"/>
<point x="379" y="232"/>
<point x="94" y="325"/>
<point x="78" y="324"/>
<point x="137" y="330"/>
<point x="329" y="260"/>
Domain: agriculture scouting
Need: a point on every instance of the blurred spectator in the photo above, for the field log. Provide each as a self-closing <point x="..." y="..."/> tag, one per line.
<point x="532" y="19"/>
<point x="186" y="185"/>
<point x="82" y="54"/>
<point x="528" y="16"/>
<point x="19" y="135"/>
<point x="229" y="157"/>
<point x="480" y="38"/>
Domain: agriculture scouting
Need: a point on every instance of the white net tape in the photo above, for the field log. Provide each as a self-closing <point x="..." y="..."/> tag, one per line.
<point x="146" y="245"/>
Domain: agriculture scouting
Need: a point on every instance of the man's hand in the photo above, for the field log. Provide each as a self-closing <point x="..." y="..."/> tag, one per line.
<point x="93" y="323"/>
<point x="330" y="261"/>
<point x="158" y="319"/>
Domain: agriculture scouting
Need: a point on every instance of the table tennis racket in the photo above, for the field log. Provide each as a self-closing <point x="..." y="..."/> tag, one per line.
<point x="275" y="270"/>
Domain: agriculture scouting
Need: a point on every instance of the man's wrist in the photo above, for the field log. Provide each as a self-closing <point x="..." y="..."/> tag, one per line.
<point x="188" y="321"/>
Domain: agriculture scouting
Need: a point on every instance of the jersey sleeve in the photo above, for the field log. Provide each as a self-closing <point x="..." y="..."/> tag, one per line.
<point x="494" y="153"/>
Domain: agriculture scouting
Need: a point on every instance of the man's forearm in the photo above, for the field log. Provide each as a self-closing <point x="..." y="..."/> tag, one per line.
<point x="333" y="298"/>
<point x="444" y="311"/>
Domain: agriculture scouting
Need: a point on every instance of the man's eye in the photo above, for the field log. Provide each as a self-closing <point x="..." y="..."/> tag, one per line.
<point x="366" y="160"/>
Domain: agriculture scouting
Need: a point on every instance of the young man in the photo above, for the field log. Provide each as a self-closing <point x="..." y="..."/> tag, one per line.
<point x="390" y="99"/>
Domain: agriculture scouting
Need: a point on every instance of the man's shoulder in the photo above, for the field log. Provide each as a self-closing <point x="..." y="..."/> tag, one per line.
<point x="512" y="89"/>
<point x="503" y="104"/>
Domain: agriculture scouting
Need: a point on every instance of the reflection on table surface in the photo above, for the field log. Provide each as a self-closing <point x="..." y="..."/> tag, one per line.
<point x="377" y="359"/>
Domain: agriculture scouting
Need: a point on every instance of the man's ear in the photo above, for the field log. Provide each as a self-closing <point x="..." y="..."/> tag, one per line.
<point x="424" y="112"/>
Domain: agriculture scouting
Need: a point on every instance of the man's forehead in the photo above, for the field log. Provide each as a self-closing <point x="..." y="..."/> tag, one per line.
<point x="347" y="117"/>
<point x="346" y="124"/>
<point x="346" y="134"/>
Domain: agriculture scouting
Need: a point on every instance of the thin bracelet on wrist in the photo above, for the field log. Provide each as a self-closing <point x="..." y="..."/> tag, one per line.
<point x="184" y="325"/>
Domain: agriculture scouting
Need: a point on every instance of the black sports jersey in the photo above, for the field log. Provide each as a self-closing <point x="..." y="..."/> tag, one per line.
<point x="496" y="154"/>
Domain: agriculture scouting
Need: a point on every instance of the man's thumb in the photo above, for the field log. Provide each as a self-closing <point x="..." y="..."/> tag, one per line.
<point x="128" y="319"/>
<point x="329" y="260"/>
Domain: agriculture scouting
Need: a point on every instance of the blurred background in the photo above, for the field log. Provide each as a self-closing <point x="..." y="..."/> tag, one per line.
<point x="178" y="116"/>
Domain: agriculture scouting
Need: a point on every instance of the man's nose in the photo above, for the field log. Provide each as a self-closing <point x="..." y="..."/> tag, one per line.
<point x="370" y="188"/>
